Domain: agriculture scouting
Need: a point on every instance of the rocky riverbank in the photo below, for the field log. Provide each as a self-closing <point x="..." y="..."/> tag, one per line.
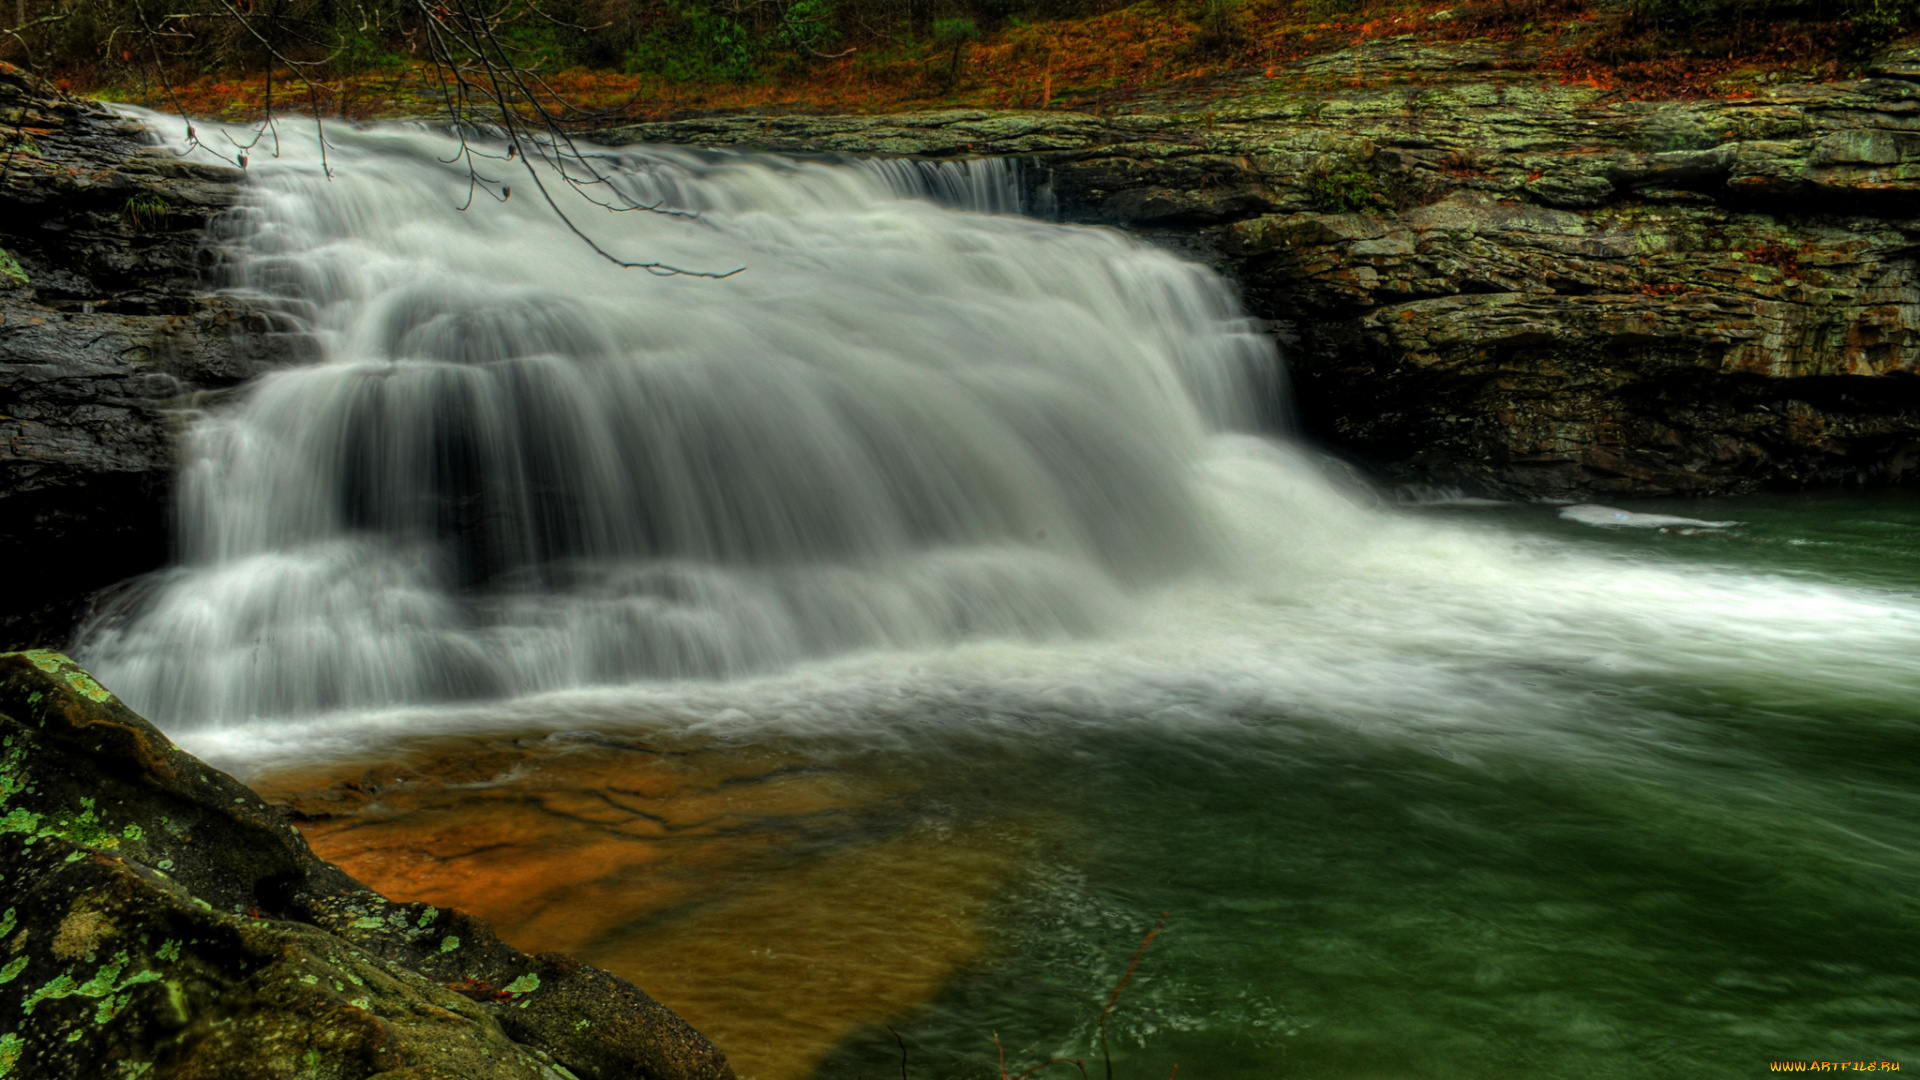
<point x="160" y="919"/>
<point x="110" y="336"/>
<point x="1483" y="279"/>
<point x="1489" y="280"/>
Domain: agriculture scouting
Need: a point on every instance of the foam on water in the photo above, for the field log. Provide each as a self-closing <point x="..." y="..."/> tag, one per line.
<point x="1607" y="517"/>
<point x="919" y="466"/>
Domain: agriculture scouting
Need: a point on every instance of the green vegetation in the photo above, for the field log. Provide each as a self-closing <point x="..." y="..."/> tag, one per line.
<point x="684" y="40"/>
<point x="954" y="34"/>
<point x="1343" y="192"/>
<point x="865" y="54"/>
<point x="696" y="44"/>
<point x="144" y="211"/>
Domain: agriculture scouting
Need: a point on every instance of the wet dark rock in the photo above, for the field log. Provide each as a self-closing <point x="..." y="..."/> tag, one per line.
<point x="1512" y="285"/>
<point x="160" y="920"/>
<point x="109" y="338"/>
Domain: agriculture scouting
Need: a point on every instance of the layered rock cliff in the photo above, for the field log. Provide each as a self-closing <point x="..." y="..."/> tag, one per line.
<point x="109" y="338"/>
<point x="1531" y="289"/>
<point x="1481" y="278"/>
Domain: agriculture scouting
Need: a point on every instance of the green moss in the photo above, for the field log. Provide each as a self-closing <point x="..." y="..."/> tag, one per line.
<point x="525" y="984"/>
<point x="11" y="270"/>
<point x="169" y="950"/>
<point x="177" y="1001"/>
<point x="105" y="981"/>
<point x="110" y="1007"/>
<point x="84" y="683"/>
<point x="13" y="969"/>
<point x="1341" y="192"/>
<point x="86" y="830"/>
<point x="12" y="767"/>
<point x="20" y="821"/>
<point x="143" y="211"/>
<point x="105" y="984"/>
<point x="449" y="943"/>
<point x="46" y="659"/>
<point x="61" y="987"/>
<point x="11" y="1046"/>
<point x="7" y="923"/>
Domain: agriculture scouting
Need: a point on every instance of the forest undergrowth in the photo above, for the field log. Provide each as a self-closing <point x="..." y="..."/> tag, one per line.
<point x="663" y="58"/>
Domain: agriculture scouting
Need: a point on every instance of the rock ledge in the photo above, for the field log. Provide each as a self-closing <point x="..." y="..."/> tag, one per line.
<point x="159" y="920"/>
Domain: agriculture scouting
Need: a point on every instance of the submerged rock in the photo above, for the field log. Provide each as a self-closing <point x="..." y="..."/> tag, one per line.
<point x="160" y="920"/>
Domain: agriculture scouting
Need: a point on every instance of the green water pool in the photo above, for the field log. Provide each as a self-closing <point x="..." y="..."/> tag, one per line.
<point x="1718" y="872"/>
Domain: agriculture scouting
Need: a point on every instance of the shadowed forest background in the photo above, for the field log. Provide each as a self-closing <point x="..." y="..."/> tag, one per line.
<point x="657" y="57"/>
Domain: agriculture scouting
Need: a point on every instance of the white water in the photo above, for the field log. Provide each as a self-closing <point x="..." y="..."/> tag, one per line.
<point x="1607" y="517"/>
<point x="917" y="464"/>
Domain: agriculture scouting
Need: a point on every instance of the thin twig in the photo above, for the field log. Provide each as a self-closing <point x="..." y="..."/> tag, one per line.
<point x="15" y="33"/>
<point x="1105" y="1051"/>
<point x="903" y="1051"/>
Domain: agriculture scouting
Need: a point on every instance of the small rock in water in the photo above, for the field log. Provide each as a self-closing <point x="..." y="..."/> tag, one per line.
<point x="1607" y="517"/>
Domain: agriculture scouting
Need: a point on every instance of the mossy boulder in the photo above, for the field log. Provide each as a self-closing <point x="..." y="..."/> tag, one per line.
<point x="158" y="919"/>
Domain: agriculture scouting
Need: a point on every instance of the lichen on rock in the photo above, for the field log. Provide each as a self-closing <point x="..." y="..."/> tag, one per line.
<point x="161" y="920"/>
<point x="1488" y="278"/>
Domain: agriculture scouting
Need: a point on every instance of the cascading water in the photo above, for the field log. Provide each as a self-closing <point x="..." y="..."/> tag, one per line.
<point x="965" y="515"/>
<point x="516" y="469"/>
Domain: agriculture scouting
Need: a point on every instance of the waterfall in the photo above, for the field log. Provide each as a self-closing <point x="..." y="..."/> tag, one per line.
<point x="911" y="418"/>
<point x="988" y="185"/>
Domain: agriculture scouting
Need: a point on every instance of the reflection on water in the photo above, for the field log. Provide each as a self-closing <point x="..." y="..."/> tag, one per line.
<point x="886" y="634"/>
<point x="779" y="907"/>
<point x="1615" y="860"/>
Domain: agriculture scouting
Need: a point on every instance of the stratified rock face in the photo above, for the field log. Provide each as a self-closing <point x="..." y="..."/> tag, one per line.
<point x="1516" y="286"/>
<point x="106" y="337"/>
<point x="1481" y="280"/>
<point x="160" y="921"/>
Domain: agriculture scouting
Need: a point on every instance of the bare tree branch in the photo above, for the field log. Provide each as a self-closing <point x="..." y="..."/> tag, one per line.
<point x="484" y="85"/>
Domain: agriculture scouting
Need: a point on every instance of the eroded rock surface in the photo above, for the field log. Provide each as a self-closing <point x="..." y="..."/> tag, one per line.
<point x="109" y="337"/>
<point x="1487" y="279"/>
<point x="160" y="920"/>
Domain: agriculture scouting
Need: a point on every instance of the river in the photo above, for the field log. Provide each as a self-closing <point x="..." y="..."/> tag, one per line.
<point x="891" y="632"/>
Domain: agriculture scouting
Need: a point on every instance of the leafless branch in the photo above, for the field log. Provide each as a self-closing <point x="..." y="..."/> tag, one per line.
<point x="483" y="83"/>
